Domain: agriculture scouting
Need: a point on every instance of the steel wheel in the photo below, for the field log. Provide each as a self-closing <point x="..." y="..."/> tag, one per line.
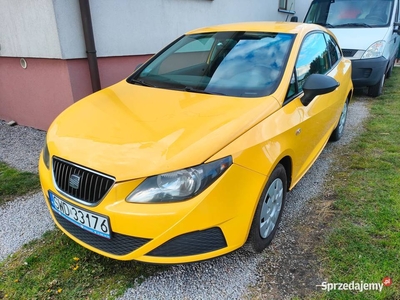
<point x="271" y="208"/>
<point x="268" y="212"/>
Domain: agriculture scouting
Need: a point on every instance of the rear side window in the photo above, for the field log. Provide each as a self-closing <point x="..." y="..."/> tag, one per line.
<point x="333" y="49"/>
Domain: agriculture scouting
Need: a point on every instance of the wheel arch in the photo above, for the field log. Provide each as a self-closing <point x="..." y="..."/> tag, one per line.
<point x="287" y="163"/>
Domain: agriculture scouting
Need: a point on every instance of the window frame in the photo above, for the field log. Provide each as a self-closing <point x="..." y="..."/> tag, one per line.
<point x="286" y="6"/>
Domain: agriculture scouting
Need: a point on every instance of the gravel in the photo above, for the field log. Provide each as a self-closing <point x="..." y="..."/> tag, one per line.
<point x="226" y="277"/>
<point x="20" y="147"/>
<point x="21" y="221"/>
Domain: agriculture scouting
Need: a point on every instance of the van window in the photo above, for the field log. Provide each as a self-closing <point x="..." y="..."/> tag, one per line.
<point x="350" y="13"/>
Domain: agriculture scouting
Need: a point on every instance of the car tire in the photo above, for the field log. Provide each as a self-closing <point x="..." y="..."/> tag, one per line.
<point x="337" y="133"/>
<point x="268" y="212"/>
<point x="376" y="89"/>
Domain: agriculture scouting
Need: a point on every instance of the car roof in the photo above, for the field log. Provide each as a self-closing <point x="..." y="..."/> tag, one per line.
<point x="284" y="27"/>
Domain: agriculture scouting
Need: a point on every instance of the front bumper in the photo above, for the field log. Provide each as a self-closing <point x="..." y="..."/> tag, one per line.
<point x="367" y="72"/>
<point x="212" y="224"/>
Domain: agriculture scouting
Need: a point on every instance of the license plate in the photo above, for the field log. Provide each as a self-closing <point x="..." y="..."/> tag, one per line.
<point x="89" y="221"/>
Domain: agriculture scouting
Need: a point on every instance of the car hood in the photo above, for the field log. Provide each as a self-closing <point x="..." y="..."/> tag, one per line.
<point x="130" y="131"/>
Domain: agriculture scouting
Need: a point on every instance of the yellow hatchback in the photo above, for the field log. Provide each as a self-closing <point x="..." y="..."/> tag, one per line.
<point x="191" y="156"/>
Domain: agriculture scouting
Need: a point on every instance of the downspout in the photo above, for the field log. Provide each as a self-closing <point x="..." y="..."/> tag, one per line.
<point x="90" y="46"/>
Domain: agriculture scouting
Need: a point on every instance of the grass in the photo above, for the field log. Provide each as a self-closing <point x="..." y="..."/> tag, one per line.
<point x="55" y="267"/>
<point x="14" y="183"/>
<point x="364" y="243"/>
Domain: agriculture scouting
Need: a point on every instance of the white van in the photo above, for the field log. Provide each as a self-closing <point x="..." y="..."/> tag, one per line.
<point x="368" y="33"/>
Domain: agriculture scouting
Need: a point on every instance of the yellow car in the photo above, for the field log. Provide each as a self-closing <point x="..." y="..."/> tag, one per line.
<point x="191" y="156"/>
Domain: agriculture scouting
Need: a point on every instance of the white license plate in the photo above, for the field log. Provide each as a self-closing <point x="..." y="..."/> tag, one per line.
<point x="89" y="221"/>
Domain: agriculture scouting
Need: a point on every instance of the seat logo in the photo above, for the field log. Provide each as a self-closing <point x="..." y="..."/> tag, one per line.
<point x="74" y="181"/>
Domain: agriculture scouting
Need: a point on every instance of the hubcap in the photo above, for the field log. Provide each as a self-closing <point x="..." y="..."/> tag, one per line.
<point x="271" y="208"/>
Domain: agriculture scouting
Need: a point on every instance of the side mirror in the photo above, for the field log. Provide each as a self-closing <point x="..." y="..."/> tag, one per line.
<point x="294" y="19"/>
<point x="396" y="30"/>
<point x="317" y="84"/>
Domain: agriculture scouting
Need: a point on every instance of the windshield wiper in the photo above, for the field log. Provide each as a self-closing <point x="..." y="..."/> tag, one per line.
<point x="354" y="25"/>
<point x="194" y="90"/>
<point x="141" y="82"/>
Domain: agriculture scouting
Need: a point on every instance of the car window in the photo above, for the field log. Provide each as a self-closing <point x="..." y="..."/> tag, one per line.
<point x="184" y="55"/>
<point x="333" y="49"/>
<point x="242" y="64"/>
<point x="197" y="45"/>
<point x="314" y="57"/>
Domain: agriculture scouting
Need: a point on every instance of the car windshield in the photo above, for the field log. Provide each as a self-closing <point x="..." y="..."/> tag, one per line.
<point x="242" y="64"/>
<point x="350" y="13"/>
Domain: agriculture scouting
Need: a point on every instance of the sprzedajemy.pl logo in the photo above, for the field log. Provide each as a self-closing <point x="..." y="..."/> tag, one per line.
<point x="355" y="286"/>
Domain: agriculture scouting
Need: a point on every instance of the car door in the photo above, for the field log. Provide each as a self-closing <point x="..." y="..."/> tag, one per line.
<point x="316" y="120"/>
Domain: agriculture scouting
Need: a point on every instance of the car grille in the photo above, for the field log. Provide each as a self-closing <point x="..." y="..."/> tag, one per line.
<point x="192" y="243"/>
<point x="119" y="244"/>
<point x="80" y="183"/>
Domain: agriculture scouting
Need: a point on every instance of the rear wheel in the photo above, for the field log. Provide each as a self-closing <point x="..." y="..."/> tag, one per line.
<point x="269" y="211"/>
<point x="338" y="132"/>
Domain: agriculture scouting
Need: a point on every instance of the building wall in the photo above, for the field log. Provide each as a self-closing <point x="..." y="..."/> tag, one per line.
<point x="33" y="96"/>
<point x="141" y="27"/>
<point x="28" y="29"/>
<point x="49" y="35"/>
<point x="53" y="28"/>
<point x="36" y="95"/>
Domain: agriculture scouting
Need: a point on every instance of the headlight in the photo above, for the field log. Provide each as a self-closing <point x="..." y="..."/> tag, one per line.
<point x="375" y="50"/>
<point x="179" y="185"/>
<point x="46" y="156"/>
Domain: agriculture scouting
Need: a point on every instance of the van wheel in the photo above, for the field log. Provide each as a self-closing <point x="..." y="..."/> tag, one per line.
<point x="269" y="211"/>
<point x="376" y="89"/>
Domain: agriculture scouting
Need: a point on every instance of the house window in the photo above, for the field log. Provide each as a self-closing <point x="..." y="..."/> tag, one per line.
<point x="286" y="6"/>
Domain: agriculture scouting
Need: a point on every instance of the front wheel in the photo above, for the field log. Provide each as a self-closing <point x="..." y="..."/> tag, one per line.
<point x="269" y="211"/>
